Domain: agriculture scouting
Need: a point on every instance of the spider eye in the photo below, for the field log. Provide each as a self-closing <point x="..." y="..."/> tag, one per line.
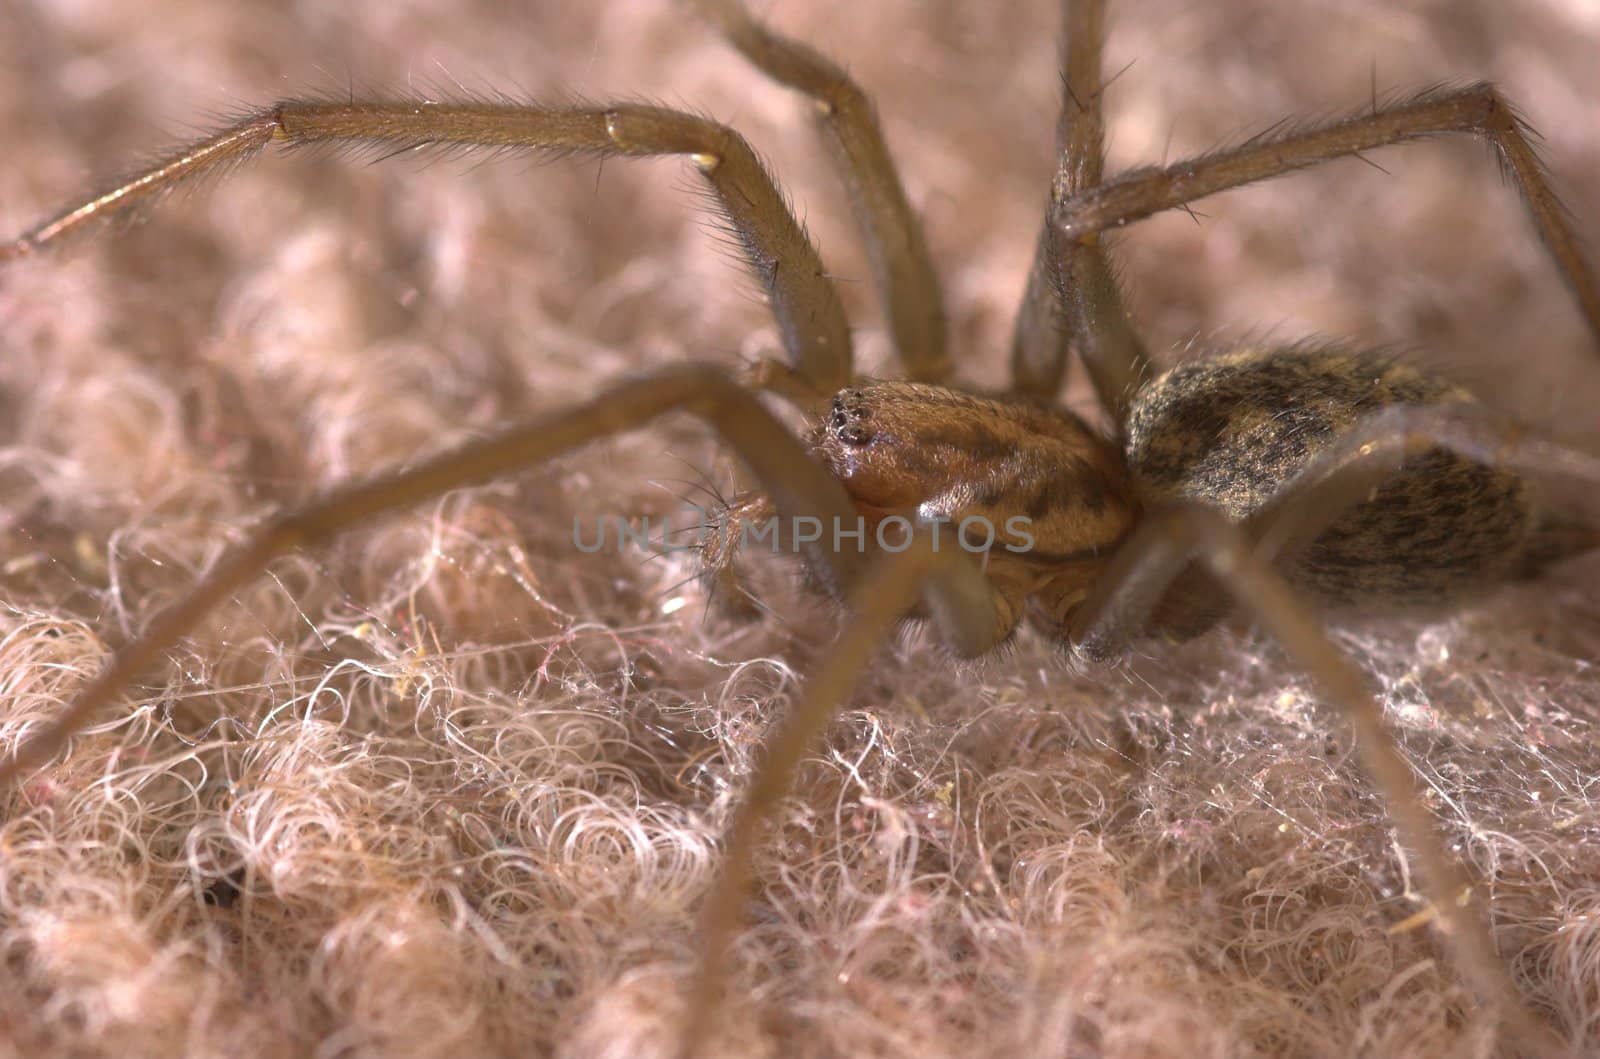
<point x="849" y="417"/>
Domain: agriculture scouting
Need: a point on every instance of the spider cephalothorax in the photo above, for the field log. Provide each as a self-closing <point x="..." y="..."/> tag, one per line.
<point x="1031" y="488"/>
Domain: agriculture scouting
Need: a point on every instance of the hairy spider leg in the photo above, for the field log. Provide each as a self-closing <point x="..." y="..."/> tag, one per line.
<point x="882" y="598"/>
<point x="959" y="597"/>
<point x="1477" y="109"/>
<point x="901" y="265"/>
<point x="810" y="316"/>
<point x="1072" y="301"/>
<point x="1128" y="593"/>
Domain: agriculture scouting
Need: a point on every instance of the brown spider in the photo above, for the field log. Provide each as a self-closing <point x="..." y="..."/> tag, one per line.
<point x="1237" y="433"/>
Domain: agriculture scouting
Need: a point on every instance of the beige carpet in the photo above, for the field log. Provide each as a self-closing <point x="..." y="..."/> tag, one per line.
<point x="452" y="787"/>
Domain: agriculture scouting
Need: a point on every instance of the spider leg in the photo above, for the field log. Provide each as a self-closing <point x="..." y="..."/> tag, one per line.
<point x="811" y="319"/>
<point x="1138" y="577"/>
<point x="959" y="597"/>
<point x="1072" y="300"/>
<point x="898" y="251"/>
<point x="1478" y="109"/>
<point x="882" y="598"/>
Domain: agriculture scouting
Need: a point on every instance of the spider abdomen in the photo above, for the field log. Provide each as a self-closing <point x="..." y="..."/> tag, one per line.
<point x="1232" y="430"/>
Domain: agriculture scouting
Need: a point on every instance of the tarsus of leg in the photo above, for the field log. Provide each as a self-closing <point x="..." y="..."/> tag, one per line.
<point x="898" y="251"/>
<point x="811" y="319"/>
<point x="1127" y="594"/>
<point x="1477" y="109"/>
<point x="797" y="486"/>
<point x="880" y="600"/>
<point x="1072" y="300"/>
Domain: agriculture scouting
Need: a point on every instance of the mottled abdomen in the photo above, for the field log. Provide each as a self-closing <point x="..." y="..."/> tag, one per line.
<point x="1231" y="430"/>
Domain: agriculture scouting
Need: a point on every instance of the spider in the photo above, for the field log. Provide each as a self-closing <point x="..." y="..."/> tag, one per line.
<point x="1089" y="603"/>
